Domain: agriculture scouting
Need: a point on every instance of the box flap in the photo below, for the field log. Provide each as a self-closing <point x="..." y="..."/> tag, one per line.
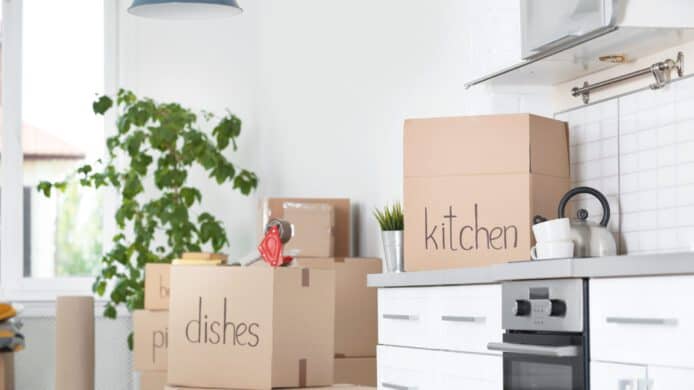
<point x="490" y="144"/>
<point x="549" y="147"/>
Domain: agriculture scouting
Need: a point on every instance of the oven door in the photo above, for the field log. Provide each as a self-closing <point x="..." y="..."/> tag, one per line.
<point x="534" y="361"/>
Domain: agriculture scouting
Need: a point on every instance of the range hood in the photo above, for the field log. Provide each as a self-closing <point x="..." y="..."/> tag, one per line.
<point x="567" y="39"/>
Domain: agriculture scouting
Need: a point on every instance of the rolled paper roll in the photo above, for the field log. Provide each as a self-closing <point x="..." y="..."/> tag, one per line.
<point x="74" y="344"/>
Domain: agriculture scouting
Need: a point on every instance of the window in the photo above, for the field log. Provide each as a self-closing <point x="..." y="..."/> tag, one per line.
<point x="55" y="65"/>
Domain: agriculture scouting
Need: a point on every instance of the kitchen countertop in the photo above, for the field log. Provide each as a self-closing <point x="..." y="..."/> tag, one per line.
<point x="602" y="267"/>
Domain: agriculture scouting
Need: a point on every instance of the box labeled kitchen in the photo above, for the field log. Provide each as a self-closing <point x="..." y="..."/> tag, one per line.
<point x="150" y="340"/>
<point x="473" y="185"/>
<point x="256" y="327"/>
<point x="274" y="208"/>
<point x="313" y="229"/>
<point x="157" y="286"/>
<point x="356" y="322"/>
<point x="356" y="370"/>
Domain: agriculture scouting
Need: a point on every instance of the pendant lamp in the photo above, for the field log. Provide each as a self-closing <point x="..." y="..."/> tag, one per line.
<point x="185" y="9"/>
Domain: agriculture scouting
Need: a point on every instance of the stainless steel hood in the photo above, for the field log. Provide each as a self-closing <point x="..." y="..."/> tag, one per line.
<point x="628" y="29"/>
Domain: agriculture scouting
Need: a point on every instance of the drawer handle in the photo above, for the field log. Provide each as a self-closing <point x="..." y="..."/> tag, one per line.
<point x="535" y="350"/>
<point x="396" y="387"/>
<point x="463" y="319"/>
<point x="642" y="321"/>
<point x="404" y="317"/>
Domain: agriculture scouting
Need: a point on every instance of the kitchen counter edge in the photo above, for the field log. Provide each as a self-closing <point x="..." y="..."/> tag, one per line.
<point x="681" y="263"/>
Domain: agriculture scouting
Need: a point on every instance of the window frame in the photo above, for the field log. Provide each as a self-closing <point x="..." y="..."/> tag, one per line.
<point x="14" y="286"/>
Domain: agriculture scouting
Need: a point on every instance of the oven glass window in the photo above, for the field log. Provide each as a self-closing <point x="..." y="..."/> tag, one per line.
<point x="540" y="376"/>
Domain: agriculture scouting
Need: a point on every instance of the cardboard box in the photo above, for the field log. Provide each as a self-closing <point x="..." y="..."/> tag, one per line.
<point x="356" y="310"/>
<point x="333" y="387"/>
<point x="150" y="340"/>
<point x="6" y="371"/>
<point x="274" y="208"/>
<point x="473" y="185"/>
<point x="251" y="327"/>
<point x="152" y="380"/>
<point x="157" y="286"/>
<point x="359" y="371"/>
<point x="313" y="226"/>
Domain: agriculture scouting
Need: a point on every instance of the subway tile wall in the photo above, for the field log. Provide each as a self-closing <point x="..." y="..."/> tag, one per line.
<point x="638" y="150"/>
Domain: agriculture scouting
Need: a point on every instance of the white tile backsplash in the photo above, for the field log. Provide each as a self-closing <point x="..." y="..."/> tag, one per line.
<point x="638" y="150"/>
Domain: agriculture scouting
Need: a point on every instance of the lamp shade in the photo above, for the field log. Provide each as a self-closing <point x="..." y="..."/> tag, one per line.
<point x="185" y="9"/>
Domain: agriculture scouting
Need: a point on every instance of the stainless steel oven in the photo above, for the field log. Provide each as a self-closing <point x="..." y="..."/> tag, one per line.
<point x="545" y="346"/>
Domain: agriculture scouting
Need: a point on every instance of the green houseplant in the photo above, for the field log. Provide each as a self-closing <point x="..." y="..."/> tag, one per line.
<point x="392" y="222"/>
<point x="156" y="145"/>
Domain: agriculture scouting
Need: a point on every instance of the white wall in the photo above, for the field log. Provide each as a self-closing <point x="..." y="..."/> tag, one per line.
<point x="205" y="65"/>
<point x="338" y="78"/>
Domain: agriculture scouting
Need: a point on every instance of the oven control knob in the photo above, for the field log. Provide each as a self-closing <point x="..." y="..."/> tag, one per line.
<point x="521" y="308"/>
<point x="557" y="308"/>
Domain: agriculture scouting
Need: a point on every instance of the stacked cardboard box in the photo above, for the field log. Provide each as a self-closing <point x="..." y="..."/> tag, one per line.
<point x="356" y="322"/>
<point x="151" y="328"/>
<point x="355" y="304"/>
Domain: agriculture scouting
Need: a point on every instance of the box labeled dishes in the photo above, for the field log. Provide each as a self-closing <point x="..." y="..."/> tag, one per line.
<point x="251" y="327"/>
<point x="150" y="340"/>
<point x="356" y="311"/>
<point x="473" y="186"/>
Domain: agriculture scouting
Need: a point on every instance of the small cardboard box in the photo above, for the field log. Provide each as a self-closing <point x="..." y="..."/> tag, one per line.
<point x="150" y="340"/>
<point x="359" y="371"/>
<point x="474" y="184"/>
<point x="157" y="286"/>
<point x="356" y="311"/>
<point x="274" y="208"/>
<point x="152" y="380"/>
<point x="313" y="226"/>
<point x="251" y="327"/>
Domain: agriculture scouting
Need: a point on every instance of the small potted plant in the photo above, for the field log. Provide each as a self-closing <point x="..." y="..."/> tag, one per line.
<point x="391" y="220"/>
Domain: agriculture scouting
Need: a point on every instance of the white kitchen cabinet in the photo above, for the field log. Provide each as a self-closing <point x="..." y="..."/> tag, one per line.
<point x="645" y="320"/>
<point x="663" y="378"/>
<point x="456" y="371"/>
<point x="402" y="368"/>
<point x="405" y="317"/>
<point x="457" y="318"/>
<point x="467" y="318"/>
<point x="610" y="376"/>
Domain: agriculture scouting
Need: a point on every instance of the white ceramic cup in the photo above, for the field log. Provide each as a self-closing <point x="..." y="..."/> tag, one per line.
<point x="553" y="230"/>
<point x="552" y="250"/>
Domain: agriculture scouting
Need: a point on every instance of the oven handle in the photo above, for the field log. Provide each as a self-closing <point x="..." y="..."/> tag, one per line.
<point x="536" y="350"/>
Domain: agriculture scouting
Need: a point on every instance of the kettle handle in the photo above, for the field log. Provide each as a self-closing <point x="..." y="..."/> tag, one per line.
<point x="590" y="191"/>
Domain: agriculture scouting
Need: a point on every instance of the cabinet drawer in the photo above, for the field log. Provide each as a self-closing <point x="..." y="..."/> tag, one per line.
<point x="643" y="320"/>
<point x="404" y="317"/>
<point x="405" y="368"/>
<point x="466" y="318"/>
<point x="402" y="368"/>
<point x="457" y="371"/>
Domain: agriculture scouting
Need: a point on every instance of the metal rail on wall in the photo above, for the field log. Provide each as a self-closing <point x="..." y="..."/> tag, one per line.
<point x="661" y="71"/>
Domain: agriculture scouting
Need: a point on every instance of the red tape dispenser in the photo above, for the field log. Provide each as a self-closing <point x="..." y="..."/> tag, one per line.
<point x="270" y="247"/>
